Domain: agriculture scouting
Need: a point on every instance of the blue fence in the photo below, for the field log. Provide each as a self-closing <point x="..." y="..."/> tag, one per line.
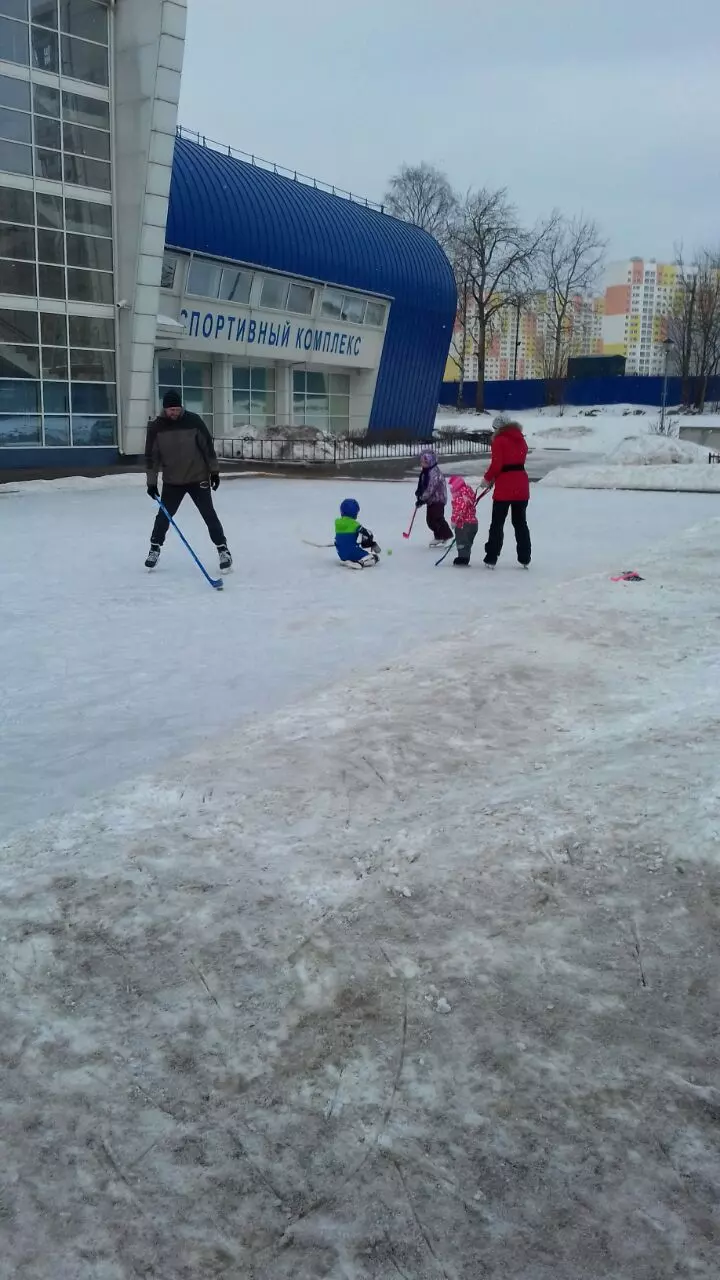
<point x="531" y="393"/>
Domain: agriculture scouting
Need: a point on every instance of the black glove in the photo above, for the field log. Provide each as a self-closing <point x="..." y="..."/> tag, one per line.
<point x="418" y="505"/>
<point x="215" y="481"/>
<point x="153" y="491"/>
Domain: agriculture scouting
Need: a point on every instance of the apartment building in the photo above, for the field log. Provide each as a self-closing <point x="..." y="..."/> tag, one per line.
<point x="639" y="295"/>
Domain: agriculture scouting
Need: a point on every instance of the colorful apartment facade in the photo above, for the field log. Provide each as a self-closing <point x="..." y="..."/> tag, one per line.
<point x="521" y="341"/>
<point x="630" y="317"/>
<point x="639" y="298"/>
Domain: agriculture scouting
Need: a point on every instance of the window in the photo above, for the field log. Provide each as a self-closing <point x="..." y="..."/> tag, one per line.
<point x="18" y="278"/>
<point x="169" y="265"/>
<point x="87" y="218"/>
<point x="15" y="158"/>
<point x="235" y="285"/>
<point x="86" y="142"/>
<point x="301" y="298"/>
<point x="15" y="126"/>
<point x="93" y="430"/>
<point x="321" y="400"/>
<point x="375" y="314"/>
<point x="89" y="331"/>
<point x="274" y="293"/>
<point x="46" y="101"/>
<point x="44" y="13"/>
<point x="18" y="327"/>
<point x="204" y="278"/>
<point x="353" y="310"/>
<point x="82" y="172"/>
<point x="253" y="397"/>
<point x="84" y="18"/>
<point x="89" y="251"/>
<point x="90" y="286"/>
<point x="16" y="242"/>
<point x="332" y="304"/>
<point x="83" y="61"/>
<point x="193" y="379"/>
<point x="86" y="111"/>
<point x="14" y="93"/>
<point x="14" y="42"/>
<point x="44" y="50"/>
<point x="17" y="206"/>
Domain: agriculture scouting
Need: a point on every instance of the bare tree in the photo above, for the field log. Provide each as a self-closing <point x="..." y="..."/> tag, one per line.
<point x="500" y="255"/>
<point x="421" y="194"/>
<point x="694" y="325"/>
<point x="572" y="256"/>
<point x="462" y="340"/>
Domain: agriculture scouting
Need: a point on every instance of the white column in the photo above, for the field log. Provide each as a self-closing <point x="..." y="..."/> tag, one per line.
<point x="148" y="43"/>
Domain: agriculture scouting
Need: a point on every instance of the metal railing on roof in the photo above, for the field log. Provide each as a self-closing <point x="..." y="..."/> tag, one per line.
<point x="193" y="136"/>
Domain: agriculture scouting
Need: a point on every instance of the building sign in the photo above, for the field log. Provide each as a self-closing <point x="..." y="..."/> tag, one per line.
<point x="296" y="341"/>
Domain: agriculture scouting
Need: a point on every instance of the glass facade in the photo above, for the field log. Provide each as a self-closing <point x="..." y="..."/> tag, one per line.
<point x="57" y="364"/>
<point x="253" y="396"/>
<point x="322" y="400"/>
<point x="193" y="379"/>
<point x="57" y="379"/>
<point x="63" y="37"/>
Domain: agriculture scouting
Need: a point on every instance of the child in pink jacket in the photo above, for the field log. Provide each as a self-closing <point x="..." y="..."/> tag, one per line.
<point x="463" y="518"/>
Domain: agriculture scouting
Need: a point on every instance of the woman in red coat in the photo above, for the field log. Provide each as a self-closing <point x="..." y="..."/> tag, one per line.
<point x="512" y="490"/>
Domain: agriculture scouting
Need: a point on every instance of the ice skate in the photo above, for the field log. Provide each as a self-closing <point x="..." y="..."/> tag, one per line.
<point x="153" y="555"/>
<point x="225" y="559"/>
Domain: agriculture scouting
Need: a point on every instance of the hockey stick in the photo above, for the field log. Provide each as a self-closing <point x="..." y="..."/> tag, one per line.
<point x="452" y="544"/>
<point x="446" y="553"/>
<point x="407" y="535"/>
<point x="217" y="583"/>
<point x="316" y="544"/>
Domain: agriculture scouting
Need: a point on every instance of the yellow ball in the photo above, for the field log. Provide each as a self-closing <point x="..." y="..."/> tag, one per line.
<point x="388" y="552"/>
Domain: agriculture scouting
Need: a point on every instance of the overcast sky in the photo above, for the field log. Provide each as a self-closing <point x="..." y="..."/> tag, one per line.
<point x="611" y="107"/>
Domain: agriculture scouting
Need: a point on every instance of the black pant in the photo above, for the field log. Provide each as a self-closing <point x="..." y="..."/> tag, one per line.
<point x="464" y="537"/>
<point x="201" y="494"/>
<point x="493" y="546"/>
<point x="437" y="524"/>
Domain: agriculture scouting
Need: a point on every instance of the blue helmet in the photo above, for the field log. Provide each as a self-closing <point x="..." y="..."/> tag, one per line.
<point x="350" y="508"/>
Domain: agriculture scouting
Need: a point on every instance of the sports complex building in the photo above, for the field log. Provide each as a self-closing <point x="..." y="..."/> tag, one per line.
<point x="134" y="258"/>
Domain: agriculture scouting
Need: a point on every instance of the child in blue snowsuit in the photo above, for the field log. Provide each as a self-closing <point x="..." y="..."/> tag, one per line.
<point x="355" y="545"/>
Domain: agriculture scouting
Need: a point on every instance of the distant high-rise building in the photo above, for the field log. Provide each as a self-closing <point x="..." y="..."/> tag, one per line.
<point x="638" y="300"/>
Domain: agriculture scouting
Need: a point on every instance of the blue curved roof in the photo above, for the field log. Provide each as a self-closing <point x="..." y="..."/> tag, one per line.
<point x="227" y="208"/>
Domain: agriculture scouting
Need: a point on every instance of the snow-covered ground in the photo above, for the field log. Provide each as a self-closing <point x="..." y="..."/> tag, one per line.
<point x="690" y="478"/>
<point x="109" y="670"/>
<point x="416" y="977"/>
<point x="595" y="430"/>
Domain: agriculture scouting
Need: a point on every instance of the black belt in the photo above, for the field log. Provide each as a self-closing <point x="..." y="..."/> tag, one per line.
<point x="515" y="466"/>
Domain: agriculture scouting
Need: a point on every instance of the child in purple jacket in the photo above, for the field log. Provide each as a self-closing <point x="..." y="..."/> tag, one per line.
<point x="432" y="492"/>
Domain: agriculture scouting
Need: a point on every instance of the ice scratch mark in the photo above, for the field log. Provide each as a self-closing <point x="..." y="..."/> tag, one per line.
<point x="637" y="947"/>
<point x="418" y="1221"/>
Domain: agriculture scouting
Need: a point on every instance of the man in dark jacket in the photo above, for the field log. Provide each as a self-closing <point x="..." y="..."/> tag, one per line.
<point x="179" y="444"/>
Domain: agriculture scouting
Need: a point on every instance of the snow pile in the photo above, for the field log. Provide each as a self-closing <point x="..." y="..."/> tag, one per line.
<point x="691" y="478"/>
<point x="656" y="451"/>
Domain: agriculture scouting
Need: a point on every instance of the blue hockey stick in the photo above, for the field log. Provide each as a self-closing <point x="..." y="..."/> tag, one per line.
<point x="217" y="583"/>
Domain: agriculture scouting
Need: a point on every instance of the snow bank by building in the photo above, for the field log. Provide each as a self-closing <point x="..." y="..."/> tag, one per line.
<point x="690" y="478"/>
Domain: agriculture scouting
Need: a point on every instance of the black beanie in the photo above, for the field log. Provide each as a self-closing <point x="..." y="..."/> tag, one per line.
<point x="172" y="400"/>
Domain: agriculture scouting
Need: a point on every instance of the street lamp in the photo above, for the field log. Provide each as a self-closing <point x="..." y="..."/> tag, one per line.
<point x="667" y="344"/>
